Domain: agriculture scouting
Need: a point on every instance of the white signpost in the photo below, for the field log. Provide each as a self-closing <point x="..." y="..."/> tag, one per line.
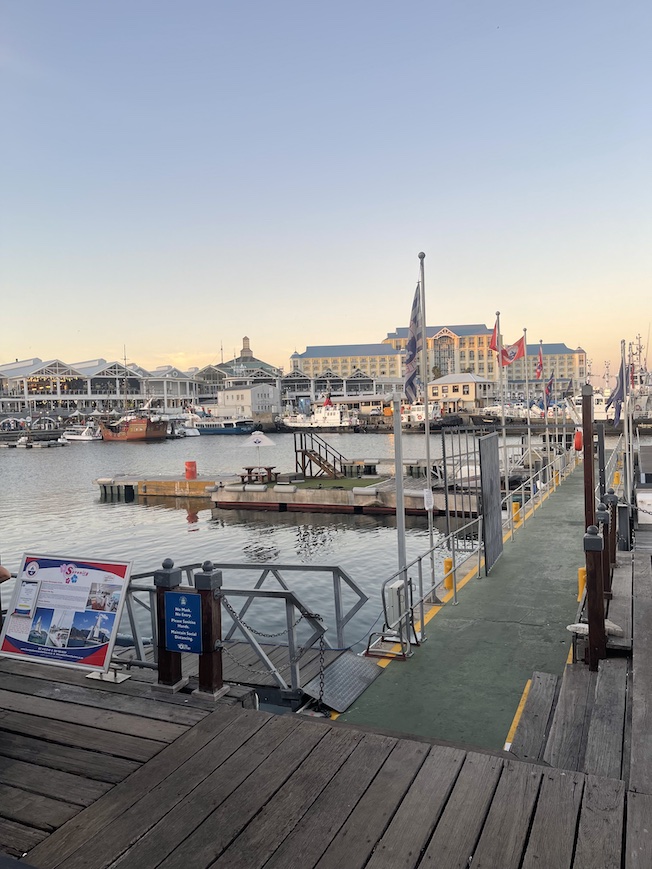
<point x="65" y="611"/>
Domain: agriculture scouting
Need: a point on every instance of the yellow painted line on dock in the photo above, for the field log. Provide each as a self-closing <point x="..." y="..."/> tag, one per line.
<point x="517" y="716"/>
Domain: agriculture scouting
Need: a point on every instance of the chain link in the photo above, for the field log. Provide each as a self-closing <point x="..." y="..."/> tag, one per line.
<point x="236" y="618"/>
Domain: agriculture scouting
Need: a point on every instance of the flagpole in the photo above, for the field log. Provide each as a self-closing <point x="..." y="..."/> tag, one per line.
<point x="527" y="410"/>
<point x="424" y="365"/>
<point x="545" y="415"/>
<point x="502" y="400"/>
<point x="626" y="434"/>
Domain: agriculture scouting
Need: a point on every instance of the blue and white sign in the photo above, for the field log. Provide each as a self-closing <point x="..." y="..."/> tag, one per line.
<point x="182" y="622"/>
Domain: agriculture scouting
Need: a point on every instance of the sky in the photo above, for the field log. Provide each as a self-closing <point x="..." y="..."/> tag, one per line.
<point x="177" y="175"/>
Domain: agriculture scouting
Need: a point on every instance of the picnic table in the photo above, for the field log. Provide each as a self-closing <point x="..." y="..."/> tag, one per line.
<point x="259" y="474"/>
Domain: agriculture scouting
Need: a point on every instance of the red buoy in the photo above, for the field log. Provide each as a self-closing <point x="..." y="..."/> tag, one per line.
<point x="578" y="441"/>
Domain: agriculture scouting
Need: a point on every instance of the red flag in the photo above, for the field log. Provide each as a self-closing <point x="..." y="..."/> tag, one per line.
<point x="512" y="352"/>
<point x="539" y="369"/>
<point x="493" y="345"/>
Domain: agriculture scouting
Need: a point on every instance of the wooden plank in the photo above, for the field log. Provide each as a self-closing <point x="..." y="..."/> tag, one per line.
<point x="78" y="790"/>
<point x="116" y="744"/>
<point x="276" y="820"/>
<point x="455" y="837"/>
<point x="376" y="808"/>
<point x="147" y="707"/>
<point x="137" y="686"/>
<point x="214" y="834"/>
<point x="638" y="853"/>
<point x="552" y="837"/>
<point x="162" y="813"/>
<point x="62" y="757"/>
<point x="604" y="747"/>
<point x="567" y="738"/>
<point x="504" y="835"/>
<point x="418" y="814"/>
<point x="308" y="841"/>
<point x="640" y="777"/>
<point x="34" y="810"/>
<point x="600" y="830"/>
<point x="530" y="738"/>
<point x="99" y="719"/>
<point x="97" y="818"/>
<point x="620" y="606"/>
<point x="16" y="839"/>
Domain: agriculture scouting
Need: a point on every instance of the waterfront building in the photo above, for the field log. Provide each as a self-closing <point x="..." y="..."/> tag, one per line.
<point x="461" y="392"/>
<point x="559" y="360"/>
<point x="453" y="349"/>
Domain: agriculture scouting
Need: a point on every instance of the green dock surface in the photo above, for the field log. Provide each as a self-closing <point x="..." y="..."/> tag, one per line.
<point x="465" y="682"/>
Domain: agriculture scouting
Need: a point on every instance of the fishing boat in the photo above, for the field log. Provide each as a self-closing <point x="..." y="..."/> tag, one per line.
<point x="82" y="433"/>
<point x="212" y="425"/>
<point x="415" y="414"/>
<point x="135" y="427"/>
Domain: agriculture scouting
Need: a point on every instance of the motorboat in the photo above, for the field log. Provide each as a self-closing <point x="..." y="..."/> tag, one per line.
<point x="84" y="433"/>
<point x="213" y="425"/>
<point x="326" y="417"/>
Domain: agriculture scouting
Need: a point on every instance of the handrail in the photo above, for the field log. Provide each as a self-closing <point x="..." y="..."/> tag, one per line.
<point x="304" y="443"/>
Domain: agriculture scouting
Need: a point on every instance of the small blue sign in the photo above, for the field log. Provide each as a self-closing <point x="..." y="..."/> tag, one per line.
<point x="182" y="622"/>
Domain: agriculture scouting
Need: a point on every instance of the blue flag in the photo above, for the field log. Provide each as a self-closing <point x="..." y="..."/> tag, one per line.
<point x="618" y="395"/>
<point x="413" y="348"/>
<point x="549" y="388"/>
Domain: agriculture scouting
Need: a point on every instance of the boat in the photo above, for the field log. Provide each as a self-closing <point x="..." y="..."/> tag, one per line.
<point x="415" y="414"/>
<point x="135" y="427"/>
<point x="212" y="425"/>
<point x="82" y="433"/>
<point x="326" y="417"/>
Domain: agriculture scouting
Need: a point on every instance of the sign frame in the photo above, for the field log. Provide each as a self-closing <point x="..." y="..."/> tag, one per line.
<point x="65" y="611"/>
<point x="188" y="615"/>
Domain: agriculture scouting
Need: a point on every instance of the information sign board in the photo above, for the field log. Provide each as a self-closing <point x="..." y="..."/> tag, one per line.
<point x="65" y="611"/>
<point x="182" y="622"/>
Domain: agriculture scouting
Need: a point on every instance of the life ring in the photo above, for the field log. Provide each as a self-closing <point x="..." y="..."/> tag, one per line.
<point x="578" y="441"/>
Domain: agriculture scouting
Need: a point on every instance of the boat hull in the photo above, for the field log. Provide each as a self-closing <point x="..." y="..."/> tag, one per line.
<point x="135" y="430"/>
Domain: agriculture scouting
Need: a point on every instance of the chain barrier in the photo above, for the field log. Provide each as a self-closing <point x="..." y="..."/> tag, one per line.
<point x="236" y="618"/>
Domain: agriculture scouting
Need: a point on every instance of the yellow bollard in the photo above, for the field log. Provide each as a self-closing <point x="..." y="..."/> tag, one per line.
<point x="556" y="478"/>
<point x="448" y="571"/>
<point x="516" y="511"/>
<point x="581" y="582"/>
<point x="616" y="478"/>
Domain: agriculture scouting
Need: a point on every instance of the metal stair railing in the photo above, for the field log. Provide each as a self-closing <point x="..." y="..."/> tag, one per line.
<point x="310" y="449"/>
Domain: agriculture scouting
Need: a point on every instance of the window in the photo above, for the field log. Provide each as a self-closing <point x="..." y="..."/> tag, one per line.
<point x="465" y="389"/>
<point x="456" y="389"/>
<point x="444" y="390"/>
<point x="435" y="390"/>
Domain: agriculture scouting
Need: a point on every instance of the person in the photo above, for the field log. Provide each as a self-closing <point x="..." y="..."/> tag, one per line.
<point x="4" y="574"/>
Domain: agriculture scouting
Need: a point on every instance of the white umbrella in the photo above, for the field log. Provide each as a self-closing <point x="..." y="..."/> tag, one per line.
<point x="258" y="440"/>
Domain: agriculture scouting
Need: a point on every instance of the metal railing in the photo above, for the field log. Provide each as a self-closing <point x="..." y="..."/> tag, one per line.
<point x="141" y="600"/>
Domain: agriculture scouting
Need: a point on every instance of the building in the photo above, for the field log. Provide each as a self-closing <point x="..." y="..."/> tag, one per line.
<point x="568" y="367"/>
<point x="453" y="349"/>
<point x="461" y="392"/>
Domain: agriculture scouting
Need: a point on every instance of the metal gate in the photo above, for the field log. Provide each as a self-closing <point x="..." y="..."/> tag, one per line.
<point x="492" y="520"/>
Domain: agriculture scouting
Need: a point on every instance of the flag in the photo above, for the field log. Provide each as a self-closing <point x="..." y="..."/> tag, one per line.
<point x="413" y="348"/>
<point x="493" y="344"/>
<point x="618" y="395"/>
<point x="512" y="352"/>
<point x="549" y="387"/>
<point x="539" y="368"/>
<point x="568" y="393"/>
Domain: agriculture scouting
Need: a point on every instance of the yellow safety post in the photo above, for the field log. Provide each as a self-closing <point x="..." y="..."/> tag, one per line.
<point x="581" y="582"/>
<point x="516" y="511"/>
<point x="616" y="478"/>
<point x="556" y="478"/>
<point x="448" y="573"/>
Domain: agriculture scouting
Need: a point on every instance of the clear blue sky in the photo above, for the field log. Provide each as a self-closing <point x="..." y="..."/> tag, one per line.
<point x="176" y="175"/>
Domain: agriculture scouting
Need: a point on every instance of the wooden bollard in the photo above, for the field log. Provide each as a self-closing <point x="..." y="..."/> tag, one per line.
<point x="448" y="573"/>
<point x="581" y="582"/>
<point x="593" y="545"/>
<point x="208" y="583"/>
<point x="169" y="663"/>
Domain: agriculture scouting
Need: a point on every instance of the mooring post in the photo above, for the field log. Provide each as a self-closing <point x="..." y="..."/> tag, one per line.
<point x="587" y="443"/>
<point x="167" y="578"/>
<point x="611" y="500"/>
<point x="602" y="518"/>
<point x="208" y="583"/>
<point x="593" y="544"/>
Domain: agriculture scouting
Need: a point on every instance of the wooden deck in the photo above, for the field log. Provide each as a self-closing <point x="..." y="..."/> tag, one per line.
<point x="98" y="775"/>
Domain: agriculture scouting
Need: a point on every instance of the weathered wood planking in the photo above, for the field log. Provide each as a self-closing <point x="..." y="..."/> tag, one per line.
<point x="278" y="818"/>
<point x="620" y="606"/>
<point x="600" y="832"/>
<point x="638" y="852"/>
<point x="640" y="778"/>
<point x="91" y="823"/>
<point x="604" y="747"/>
<point x="457" y="833"/>
<point x="557" y="809"/>
<point x="530" y="737"/>
<point x="417" y="816"/>
<point x="51" y="782"/>
<point x="504" y="834"/>
<point x="567" y="737"/>
<point x="17" y="839"/>
<point x="307" y="842"/>
<point x="35" y="810"/>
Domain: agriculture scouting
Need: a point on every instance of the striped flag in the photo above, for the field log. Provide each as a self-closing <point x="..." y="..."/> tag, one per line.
<point x="413" y="347"/>
<point x="493" y="344"/>
<point x="618" y="395"/>
<point x="539" y="368"/>
<point x="549" y="387"/>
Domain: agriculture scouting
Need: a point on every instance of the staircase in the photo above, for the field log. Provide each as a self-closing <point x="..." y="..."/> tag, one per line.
<point x="316" y="458"/>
